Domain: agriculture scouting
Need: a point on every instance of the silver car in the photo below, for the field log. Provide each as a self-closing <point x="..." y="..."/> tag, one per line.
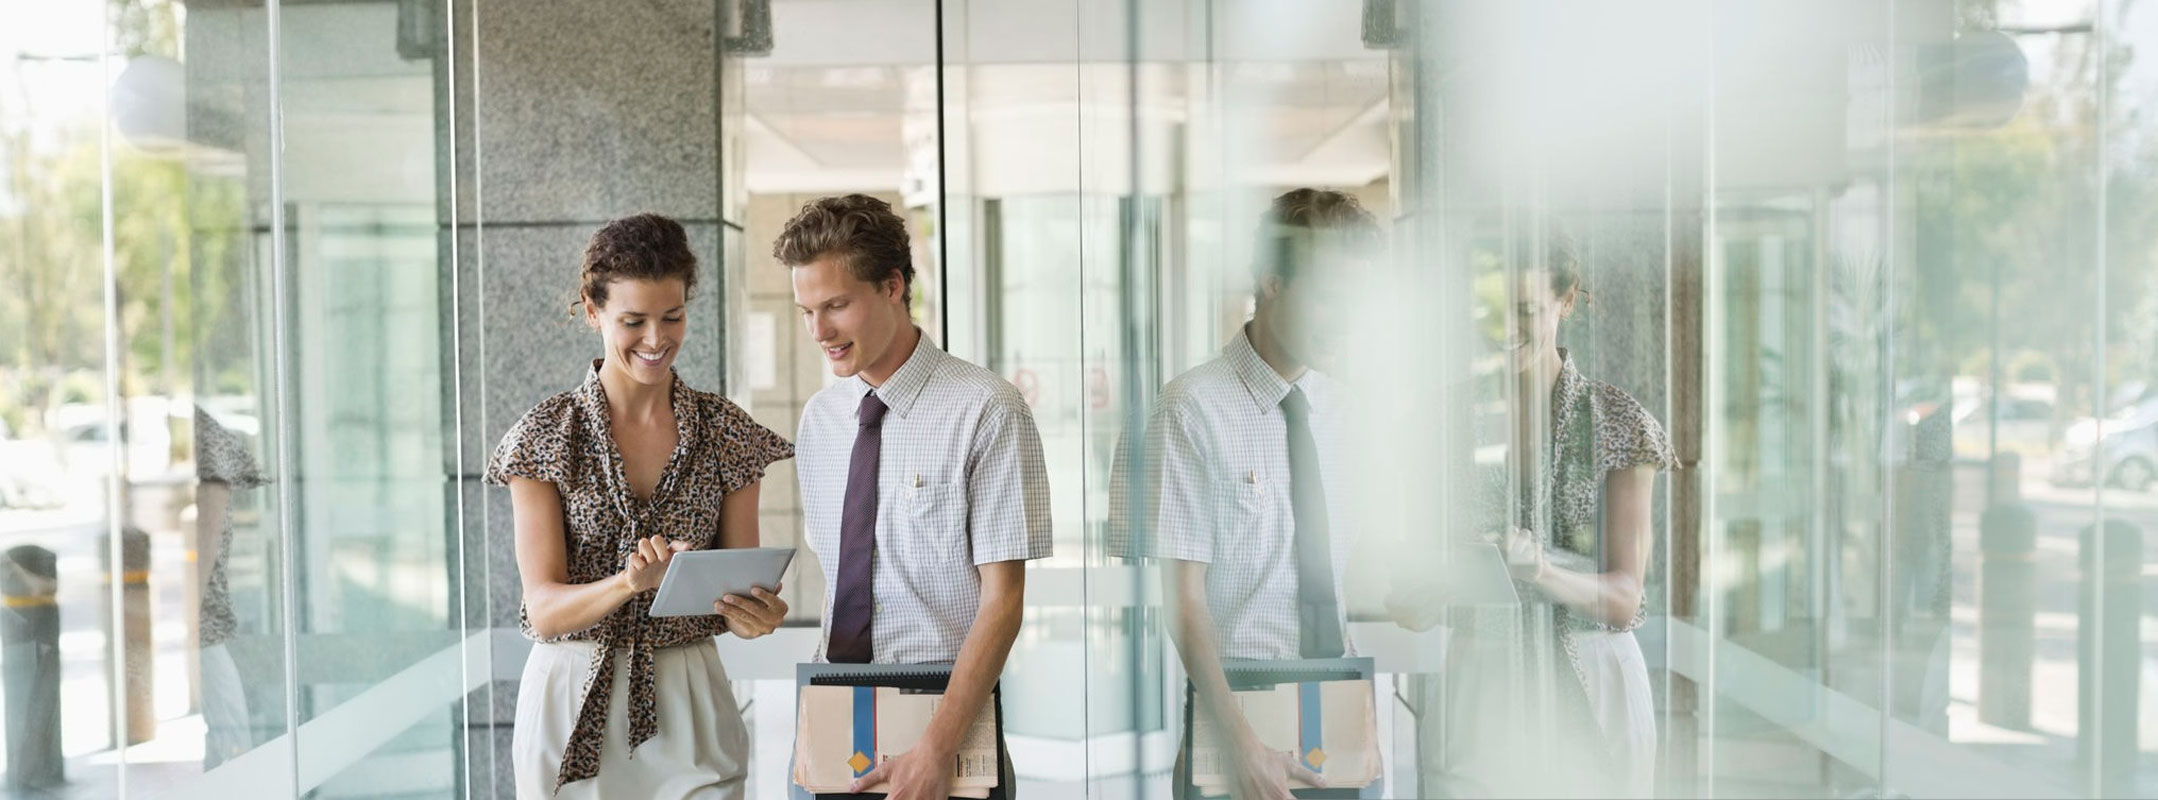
<point x="2130" y="450"/>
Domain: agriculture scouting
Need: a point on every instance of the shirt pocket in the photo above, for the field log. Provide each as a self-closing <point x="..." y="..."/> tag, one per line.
<point x="933" y="527"/>
<point x="1244" y="507"/>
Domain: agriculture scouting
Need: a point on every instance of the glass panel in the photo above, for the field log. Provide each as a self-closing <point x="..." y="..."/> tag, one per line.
<point x="366" y="315"/>
<point x="67" y="441"/>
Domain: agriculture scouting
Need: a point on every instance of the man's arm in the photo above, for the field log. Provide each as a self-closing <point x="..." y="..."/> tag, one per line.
<point x="1255" y="770"/>
<point x="981" y="657"/>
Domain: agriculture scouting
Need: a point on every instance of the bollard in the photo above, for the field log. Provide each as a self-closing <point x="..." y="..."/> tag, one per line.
<point x="2007" y="614"/>
<point x="2004" y="480"/>
<point x="138" y="670"/>
<point x="2109" y="654"/>
<point x="30" y="668"/>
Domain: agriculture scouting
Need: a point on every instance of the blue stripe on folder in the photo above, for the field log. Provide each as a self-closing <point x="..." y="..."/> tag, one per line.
<point x="1309" y="749"/>
<point x="865" y="730"/>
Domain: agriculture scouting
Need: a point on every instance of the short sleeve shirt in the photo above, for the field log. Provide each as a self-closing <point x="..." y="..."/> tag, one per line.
<point x="960" y="482"/>
<point x="1217" y="486"/>
<point x="221" y="457"/>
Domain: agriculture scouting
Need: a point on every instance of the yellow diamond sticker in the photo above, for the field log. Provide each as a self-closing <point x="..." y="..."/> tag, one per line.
<point x="859" y="762"/>
<point x="1316" y="757"/>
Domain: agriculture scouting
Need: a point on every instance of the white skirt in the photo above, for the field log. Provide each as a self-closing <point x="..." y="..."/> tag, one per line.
<point x="1474" y="740"/>
<point x="228" y="731"/>
<point x="1624" y="710"/>
<point x="700" y="751"/>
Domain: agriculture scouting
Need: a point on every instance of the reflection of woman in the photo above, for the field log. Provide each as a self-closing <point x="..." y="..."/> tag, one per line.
<point x="1577" y="538"/>
<point x="608" y="481"/>
<point x="222" y="467"/>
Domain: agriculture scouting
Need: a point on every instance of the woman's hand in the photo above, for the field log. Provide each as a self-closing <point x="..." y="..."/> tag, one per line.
<point x="647" y="564"/>
<point x="752" y="616"/>
<point x="1524" y="555"/>
<point x="1417" y="606"/>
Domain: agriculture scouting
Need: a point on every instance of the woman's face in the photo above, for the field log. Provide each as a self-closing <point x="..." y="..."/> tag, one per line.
<point x="642" y="325"/>
<point x="1533" y="318"/>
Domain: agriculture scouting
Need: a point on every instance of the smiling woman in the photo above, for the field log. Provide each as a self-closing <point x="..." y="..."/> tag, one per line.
<point x="608" y="481"/>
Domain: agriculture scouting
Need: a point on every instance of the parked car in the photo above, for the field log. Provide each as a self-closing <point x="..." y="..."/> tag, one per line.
<point x="2027" y="423"/>
<point x="2129" y="451"/>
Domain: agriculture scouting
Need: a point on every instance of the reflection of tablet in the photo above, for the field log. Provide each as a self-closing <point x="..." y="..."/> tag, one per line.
<point x="698" y="578"/>
<point x="1478" y="576"/>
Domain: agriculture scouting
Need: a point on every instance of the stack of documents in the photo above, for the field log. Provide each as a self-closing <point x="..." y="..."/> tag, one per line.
<point x="1330" y="727"/>
<point x="841" y="732"/>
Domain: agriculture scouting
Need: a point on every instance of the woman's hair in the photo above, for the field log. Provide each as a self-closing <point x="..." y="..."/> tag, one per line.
<point x="1554" y="253"/>
<point x="860" y="229"/>
<point x="645" y="247"/>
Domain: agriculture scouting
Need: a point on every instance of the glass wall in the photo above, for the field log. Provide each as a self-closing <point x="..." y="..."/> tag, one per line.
<point x="1724" y="400"/>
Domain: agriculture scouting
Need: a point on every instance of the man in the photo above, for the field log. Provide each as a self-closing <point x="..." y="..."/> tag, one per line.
<point x="1244" y="483"/>
<point x="923" y="487"/>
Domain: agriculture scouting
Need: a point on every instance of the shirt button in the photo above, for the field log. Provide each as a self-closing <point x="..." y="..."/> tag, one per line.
<point x="879" y="607"/>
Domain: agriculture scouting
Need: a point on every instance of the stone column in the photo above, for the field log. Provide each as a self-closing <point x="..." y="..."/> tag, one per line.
<point x="579" y="114"/>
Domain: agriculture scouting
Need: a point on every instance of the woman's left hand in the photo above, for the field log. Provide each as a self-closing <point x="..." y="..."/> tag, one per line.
<point x="1524" y="555"/>
<point x="754" y="615"/>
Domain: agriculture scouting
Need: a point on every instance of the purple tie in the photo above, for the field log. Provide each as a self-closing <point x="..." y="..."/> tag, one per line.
<point x="854" y="600"/>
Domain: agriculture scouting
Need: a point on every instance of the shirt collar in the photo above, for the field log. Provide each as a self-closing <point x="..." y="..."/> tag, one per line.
<point x="900" y="391"/>
<point x="1266" y="386"/>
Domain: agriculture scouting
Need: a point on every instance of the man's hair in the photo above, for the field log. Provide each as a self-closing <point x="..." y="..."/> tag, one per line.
<point x="861" y="230"/>
<point x="1304" y="224"/>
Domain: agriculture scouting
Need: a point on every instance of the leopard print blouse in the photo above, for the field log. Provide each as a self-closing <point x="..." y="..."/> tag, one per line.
<point x="567" y="440"/>
<point x="1596" y="429"/>
<point x="221" y="457"/>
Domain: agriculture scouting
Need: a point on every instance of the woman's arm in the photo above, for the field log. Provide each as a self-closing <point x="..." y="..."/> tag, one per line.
<point x="554" y="605"/>
<point x="1613" y="596"/>
<point x="738" y="518"/>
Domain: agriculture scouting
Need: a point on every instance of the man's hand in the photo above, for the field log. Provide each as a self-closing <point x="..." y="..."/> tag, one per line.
<point x="923" y="773"/>
<point x="1263" y="774"/>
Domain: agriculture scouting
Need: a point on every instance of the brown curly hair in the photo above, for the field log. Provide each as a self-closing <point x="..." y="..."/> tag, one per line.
<point x="859" y="228"/>
<point x="1286" y="230"/>
<point x="645" y="247"/>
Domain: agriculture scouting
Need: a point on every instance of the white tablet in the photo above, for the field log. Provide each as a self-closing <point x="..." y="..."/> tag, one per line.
<point x="698" y="578"/>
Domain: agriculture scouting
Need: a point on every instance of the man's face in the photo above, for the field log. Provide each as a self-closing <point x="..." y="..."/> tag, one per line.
<point x="1311" y="312"/>
<point x="855" y="322"/>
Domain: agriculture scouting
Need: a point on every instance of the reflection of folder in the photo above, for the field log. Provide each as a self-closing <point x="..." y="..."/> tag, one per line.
<point x="851" y="717"/>
<point x="1323" y="711"/>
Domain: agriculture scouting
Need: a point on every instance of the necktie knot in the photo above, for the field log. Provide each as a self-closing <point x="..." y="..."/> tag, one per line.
<point x="1294" y="405"/>
<point x="871" y="412"/>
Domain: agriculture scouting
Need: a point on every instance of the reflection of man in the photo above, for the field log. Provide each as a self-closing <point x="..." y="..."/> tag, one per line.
<point x="923" y="487"/>
<point x="222" y="466"/>
<point x="1245" y="484"/>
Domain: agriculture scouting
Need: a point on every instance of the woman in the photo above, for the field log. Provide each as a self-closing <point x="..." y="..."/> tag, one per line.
<point x="608" y="481"/>
<point x="224" y="468"/>
<point x="1571" y="511"/>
